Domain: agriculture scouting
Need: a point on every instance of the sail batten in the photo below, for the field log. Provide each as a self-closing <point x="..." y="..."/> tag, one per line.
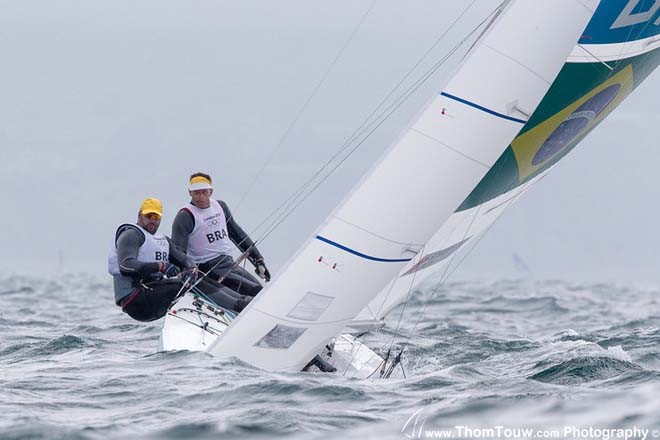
<point x="360" y="254"/>
<point x="483" y="109"/>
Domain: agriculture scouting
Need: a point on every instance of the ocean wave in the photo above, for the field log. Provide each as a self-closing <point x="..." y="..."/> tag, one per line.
<point x="507" y="350"/>
<point x="585" y="369"/>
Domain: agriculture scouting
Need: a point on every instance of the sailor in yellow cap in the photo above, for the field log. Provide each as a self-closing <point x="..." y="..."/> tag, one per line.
<point x="206" y="231"/>
<point x="144" y="265"/>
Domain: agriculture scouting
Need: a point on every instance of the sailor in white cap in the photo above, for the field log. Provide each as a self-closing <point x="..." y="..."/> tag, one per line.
<point x="206" y="231"/>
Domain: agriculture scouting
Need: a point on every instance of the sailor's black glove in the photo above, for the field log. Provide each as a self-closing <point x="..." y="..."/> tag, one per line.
<point x="171" y="270"/>
<point x="260" y="269"/>
<point x="156" y="276"/>
<point x="189" y="276"/>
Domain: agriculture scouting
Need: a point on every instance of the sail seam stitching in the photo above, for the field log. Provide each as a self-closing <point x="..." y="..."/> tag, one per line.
<point x="524" y="66"/>
<point x="303" y="322"/>
<point x="376" y="235"/>
<point x="451" y="148"/>
<point x="587" y="7"/>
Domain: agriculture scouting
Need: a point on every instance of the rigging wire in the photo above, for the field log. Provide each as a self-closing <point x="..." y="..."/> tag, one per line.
<point x="443" y="278"/>
<point x="623" y="54"/>
<point x="405" y="304"/>
<point x="293" y="205"/>
<point x="369" y="329"/>
<point x="446" y="273"/>
<point x="366" y="123"/>
<point x="305" y="105"/>
<point x="623" y="46"/>
<point x="403" y="309"/>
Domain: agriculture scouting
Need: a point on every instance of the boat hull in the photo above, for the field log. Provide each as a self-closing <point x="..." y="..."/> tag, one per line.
<point x="194" y="324"/>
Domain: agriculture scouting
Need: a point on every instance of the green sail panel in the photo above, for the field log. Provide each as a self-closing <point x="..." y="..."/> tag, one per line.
<point x="581" y="97"/>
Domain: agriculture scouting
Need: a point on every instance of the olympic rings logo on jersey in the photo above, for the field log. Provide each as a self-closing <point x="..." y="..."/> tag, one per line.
<point x="214" y="222"/>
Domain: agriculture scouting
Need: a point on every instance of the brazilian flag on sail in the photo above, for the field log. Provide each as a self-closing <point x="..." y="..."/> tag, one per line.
<point x="583" y="94"/>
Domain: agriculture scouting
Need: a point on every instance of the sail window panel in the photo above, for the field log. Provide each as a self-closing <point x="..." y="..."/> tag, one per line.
<point x="434" y="258"/>
<point x="311" y="307"/>
<point x="280" y="337"/>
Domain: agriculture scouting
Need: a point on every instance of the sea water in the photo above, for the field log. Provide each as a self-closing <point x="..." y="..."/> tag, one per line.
<point x="506" y="359"/>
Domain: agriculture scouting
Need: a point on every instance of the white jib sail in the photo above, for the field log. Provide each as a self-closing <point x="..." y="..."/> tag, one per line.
<point x="416" y="186"/>
<point x="442" y="254"/>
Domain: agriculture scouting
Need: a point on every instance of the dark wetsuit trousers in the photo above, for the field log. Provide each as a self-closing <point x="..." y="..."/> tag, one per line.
<point x="223" y="295"/>
<point x="236" y="278"/>
<point x="152" y="301"/>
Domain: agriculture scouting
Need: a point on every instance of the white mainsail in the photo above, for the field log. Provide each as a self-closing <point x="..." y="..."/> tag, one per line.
<point x="418" y="183"/>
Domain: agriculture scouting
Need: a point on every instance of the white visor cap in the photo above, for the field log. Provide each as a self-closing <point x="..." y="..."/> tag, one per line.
<point x="199" y="185"/>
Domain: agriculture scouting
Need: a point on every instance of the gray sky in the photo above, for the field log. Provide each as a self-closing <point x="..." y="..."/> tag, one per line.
<point x="107" y="103"/>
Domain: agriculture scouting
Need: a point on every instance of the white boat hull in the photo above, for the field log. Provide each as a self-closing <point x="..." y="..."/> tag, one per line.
<point x="194" y="324"/>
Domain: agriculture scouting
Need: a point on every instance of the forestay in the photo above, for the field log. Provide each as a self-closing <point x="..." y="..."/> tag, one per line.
<point x="418" y="183"/>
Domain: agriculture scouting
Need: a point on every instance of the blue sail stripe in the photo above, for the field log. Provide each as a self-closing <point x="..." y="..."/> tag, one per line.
<point x="360" y="254"/>
<point x="483" y="109"/>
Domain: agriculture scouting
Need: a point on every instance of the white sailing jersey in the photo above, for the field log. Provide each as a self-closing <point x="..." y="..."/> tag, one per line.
<point x="155" y="249"/>
<point x="209" y="237"/>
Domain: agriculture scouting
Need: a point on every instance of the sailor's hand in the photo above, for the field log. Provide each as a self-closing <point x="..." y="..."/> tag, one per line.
<point x="261" y="270"/>
<point x="189" y="276"/>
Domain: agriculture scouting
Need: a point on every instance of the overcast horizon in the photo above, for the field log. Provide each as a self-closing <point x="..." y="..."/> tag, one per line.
<point x="106" y="104"/>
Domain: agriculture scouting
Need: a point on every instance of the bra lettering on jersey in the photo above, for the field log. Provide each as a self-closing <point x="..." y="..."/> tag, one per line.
<point x="217" y="235"/>
<point x="209" y="238"/>
<point x="161" y="256"/>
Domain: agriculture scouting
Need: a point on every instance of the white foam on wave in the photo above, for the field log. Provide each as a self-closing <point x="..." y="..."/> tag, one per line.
<point x="619" y="353"/>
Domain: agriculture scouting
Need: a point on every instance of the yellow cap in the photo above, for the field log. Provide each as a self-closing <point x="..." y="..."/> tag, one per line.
<point x="151" y="206"/>
<point x="199" y="182"/>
